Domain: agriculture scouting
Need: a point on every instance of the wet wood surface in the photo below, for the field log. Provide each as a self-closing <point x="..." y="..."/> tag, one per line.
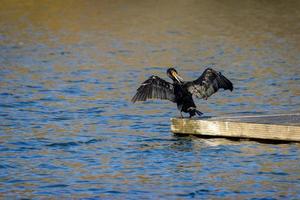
<point x="284" y="127"/>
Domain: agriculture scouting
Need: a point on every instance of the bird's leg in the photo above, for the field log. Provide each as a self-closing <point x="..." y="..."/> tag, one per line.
<point x="181" y="114"/>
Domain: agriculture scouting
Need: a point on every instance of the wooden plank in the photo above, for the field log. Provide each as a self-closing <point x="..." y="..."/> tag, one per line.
<point x="285" y="127"/>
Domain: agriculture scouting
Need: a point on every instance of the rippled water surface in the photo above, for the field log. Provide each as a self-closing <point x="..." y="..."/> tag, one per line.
<point x="68" y="70"/>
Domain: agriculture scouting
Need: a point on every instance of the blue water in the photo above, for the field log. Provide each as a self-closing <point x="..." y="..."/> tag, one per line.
<point x="68" y="129"/>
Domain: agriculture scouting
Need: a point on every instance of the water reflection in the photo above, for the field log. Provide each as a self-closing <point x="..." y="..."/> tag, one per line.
<point x="67" y="74"/>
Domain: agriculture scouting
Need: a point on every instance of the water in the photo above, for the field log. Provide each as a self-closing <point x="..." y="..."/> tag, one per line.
<point x="69" y="69"/>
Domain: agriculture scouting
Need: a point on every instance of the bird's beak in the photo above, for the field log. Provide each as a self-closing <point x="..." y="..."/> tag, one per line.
<point x="177" y="77"/>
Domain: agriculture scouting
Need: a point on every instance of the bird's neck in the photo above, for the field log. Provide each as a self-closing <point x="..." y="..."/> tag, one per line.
<point x="178" y="82"/>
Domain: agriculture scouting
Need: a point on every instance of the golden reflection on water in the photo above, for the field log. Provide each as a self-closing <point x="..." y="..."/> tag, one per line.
<point x="179" y="24"/>
<point x="124" y="18"/>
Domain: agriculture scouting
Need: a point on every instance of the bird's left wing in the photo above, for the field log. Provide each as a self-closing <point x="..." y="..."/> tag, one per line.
<point x="154" y="88"/>
<point x="208" y="83"/>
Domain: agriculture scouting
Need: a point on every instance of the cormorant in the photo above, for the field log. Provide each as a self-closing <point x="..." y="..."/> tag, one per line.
<point x="181" y="92"/>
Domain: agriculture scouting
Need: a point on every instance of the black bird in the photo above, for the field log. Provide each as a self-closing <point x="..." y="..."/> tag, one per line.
<point x="181" y="92"/>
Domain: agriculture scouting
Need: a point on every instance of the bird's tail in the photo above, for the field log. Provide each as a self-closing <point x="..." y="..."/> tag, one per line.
<point x="193" y="111"/>
<point x="198" y="112"/>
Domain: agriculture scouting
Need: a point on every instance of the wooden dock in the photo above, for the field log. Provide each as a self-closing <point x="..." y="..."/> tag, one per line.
<point x="280" y="127"/>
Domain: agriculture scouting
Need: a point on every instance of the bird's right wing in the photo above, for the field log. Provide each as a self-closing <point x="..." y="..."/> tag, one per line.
<point x="208" y="83"/>
<point x="154" y="88"/>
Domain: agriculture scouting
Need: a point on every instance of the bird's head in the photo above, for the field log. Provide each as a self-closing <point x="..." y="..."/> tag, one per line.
<point x="173" y="74"/>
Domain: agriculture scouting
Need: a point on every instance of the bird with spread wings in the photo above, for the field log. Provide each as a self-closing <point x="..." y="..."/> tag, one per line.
<point x="181" y="92"/>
